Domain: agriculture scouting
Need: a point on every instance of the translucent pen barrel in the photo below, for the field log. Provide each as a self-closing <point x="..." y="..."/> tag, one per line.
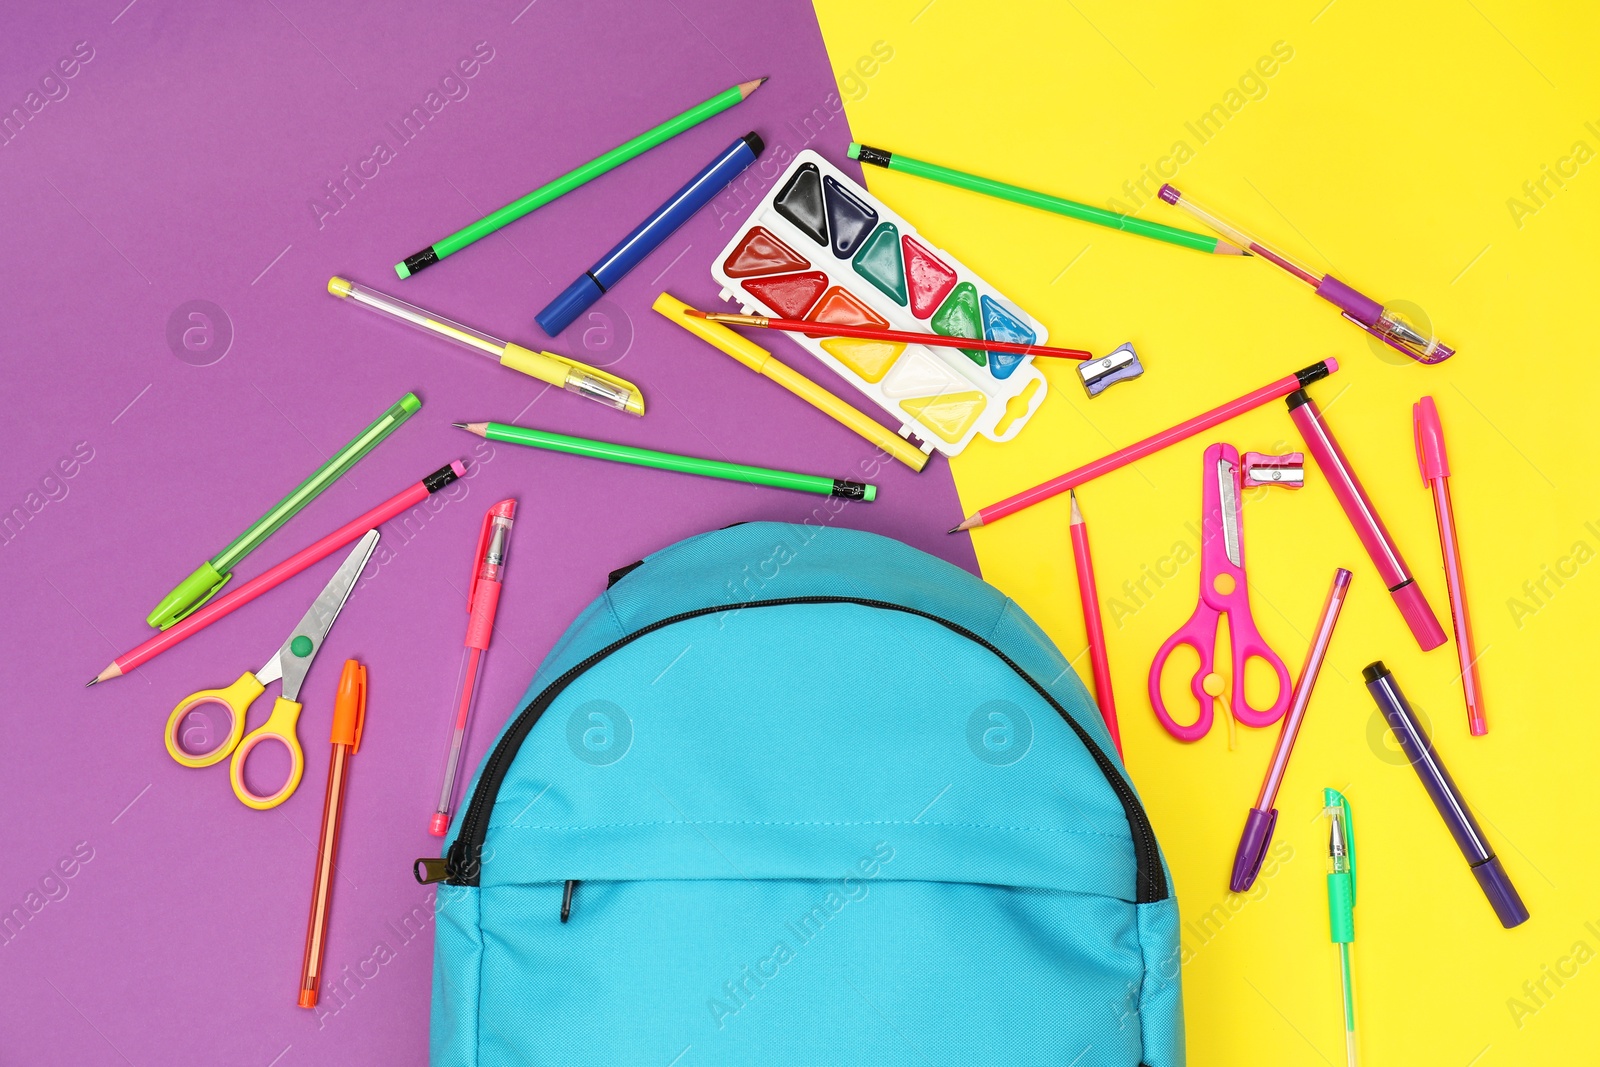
<point x="1301" y="701"/>
<point x="466" y="696"/>
<point x="395" y="308"/>
<point x="1239" y="237"/>
<point x="484" y="601"/>
<point x="327" y="854"/>
<point x="320" y="479"/>
<point x="545" y="366"/>
<point x="1349" y="1006"/>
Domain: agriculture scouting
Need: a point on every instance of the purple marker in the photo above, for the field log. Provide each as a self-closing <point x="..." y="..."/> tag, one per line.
<point x="1258" y="825"/>
<point x="1492" y="877"/>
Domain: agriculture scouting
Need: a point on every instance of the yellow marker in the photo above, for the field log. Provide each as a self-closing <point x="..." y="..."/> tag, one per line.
<point x="564" y="373"/>
<point x="767" y="365"/>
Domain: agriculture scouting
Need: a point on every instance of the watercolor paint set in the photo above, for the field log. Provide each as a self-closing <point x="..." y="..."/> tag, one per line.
<point x="821" y="248"/>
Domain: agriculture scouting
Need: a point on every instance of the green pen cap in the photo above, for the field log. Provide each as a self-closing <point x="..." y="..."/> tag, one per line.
<point x="190" y="593"/>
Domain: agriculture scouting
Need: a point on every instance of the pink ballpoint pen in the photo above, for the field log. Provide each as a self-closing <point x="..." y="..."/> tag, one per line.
<point x="483" y="598"/>
<point x="1263" y="817"/>
<point x="1435" y="467"/>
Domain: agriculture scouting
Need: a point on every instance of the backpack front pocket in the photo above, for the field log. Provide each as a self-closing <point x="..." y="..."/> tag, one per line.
<point x="853" y="969"/>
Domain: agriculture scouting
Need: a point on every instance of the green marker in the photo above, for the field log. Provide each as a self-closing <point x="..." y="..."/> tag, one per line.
<point x="668" y="461"/>
<point x="574" y="178"/>
<point x="212" y="574"/>
<point x="1200" y="242"/>
<point x="1342" y="900"/>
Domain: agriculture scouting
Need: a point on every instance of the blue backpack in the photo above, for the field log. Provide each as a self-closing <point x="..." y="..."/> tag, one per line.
<point x="793" y="795"/>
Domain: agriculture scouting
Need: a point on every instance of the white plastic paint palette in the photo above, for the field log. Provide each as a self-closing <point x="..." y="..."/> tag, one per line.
<point x="819" y="247"/>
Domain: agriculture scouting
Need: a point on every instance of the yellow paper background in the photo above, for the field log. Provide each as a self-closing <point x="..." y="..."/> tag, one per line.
<point x="1385" y="149"/>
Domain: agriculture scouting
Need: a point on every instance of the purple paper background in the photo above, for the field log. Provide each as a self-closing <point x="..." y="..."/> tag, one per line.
<point x="180" y="165"/>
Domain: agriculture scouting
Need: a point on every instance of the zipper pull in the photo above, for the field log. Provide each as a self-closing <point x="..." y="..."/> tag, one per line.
<point x="430" y="869"/>
<point x="566" y="900"/>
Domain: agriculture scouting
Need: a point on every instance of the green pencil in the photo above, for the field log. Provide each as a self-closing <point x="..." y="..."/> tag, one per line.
<point x="668" y="461"/>
<point x="574" y="178"/>
<point x="1200" y="242"/>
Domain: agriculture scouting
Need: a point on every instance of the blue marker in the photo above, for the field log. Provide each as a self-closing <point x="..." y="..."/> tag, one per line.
<point x="648" y="235"/>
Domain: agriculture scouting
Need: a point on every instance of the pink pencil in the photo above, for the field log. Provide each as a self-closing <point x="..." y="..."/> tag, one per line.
<point x="1092" y="624"/>
<point x="1263" y="817"/>
<point x="269" y="579"/>
<point x="1137" y="451"/>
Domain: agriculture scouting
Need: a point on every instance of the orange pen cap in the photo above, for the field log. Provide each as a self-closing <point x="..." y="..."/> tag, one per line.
<point x="350" y="706"/>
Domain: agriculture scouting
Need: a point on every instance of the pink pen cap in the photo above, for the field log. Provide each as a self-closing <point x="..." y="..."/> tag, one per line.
<point x="1352" y="497"/>
<point x="1429" y="436"/>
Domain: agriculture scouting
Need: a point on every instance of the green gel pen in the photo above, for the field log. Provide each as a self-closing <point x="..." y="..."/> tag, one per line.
<point x="1342" y="900"/>
<point x="214" y="573"/>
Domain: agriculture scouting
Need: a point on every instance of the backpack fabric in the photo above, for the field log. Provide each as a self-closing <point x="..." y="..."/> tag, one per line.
<point x="813" y="797"/>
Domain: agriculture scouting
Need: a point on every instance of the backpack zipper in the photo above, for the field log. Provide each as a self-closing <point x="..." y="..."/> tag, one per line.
<point x="460" y="865"/>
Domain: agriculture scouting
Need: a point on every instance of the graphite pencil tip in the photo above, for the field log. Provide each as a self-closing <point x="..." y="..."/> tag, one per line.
<point x="459" y="425"/>
<point x="746" y="88"/>
<point x="954" y="529"/>
<point x="91" y="681"/>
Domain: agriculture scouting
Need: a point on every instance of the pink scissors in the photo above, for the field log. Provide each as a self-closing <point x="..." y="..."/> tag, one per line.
<point x="1223" y="591"/>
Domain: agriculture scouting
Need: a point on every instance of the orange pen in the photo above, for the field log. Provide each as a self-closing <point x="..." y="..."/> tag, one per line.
<point x="349" y="713"/>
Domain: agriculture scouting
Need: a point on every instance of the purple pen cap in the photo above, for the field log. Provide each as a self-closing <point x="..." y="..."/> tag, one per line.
<point x="1258" y="827"/>
<point x="1503" y="898"/>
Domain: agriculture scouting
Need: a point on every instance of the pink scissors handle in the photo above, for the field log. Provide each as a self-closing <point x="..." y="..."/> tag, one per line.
<point x="1200" y="634"/>
<point x="1247" y="644"/>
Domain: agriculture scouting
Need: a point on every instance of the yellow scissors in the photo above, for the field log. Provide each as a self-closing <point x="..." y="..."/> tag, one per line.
<point x="290" y="662"/>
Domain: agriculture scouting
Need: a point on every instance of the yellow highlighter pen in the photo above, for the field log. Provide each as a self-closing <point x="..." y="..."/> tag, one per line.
<point x="568" y="374"/>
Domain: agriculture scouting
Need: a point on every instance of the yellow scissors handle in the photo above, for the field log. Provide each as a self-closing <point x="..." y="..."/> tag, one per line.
<point x="237" y="698"/>
<point x="280" y="726"/>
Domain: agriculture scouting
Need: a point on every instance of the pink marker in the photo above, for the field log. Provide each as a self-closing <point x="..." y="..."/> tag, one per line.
<point x="1435" y="467"/>
<point x="1258" y="825"/>
<point x="1364" y="517"/>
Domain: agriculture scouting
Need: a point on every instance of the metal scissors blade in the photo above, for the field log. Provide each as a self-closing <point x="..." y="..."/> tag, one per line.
<point x="294" y="658"/>
<point x="1228" y="487"/>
